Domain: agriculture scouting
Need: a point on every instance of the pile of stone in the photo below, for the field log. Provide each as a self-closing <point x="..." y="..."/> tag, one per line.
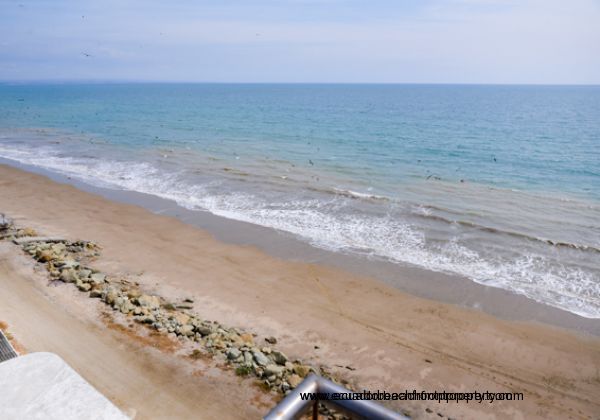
<point x="68" y="261"/>
<point x="235" y="346"/>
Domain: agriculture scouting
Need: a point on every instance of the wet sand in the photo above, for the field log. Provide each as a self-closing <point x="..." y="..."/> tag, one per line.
<point x="394" y="340"/>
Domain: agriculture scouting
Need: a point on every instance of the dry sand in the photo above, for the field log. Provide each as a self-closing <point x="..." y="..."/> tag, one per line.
<point x="394" y="341"/>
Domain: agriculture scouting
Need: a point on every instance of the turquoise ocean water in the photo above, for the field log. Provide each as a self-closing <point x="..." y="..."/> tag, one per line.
<point x="500" y="184"/>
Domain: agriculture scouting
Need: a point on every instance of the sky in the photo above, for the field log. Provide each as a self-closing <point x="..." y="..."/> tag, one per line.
<point x="302" y="41"/>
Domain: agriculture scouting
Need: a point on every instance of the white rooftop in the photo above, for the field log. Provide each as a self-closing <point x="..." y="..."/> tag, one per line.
<point x="43" y="386"/>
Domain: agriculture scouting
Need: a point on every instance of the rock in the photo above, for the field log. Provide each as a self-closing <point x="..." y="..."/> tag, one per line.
<point x="44" y="255"/>
<point x="219" y="344"/>
<point x="109" y="295"/>
<point x="68" y="275"/>
<point x="233" y="353"/>
<point x="186" y="330"/>
<point x="302" y="370"/>
<point x="133" y="293"/>
<point x="67" y="263"/>
<point x="26" y="232"/>
<point x="184" y="305"/>
<point x="266" y="350"/>
<point x="119" y="300"/>
<point x="274" y="370"/>
<point x="84" y="273"/>
<point x="147" y="319"/>
<point x="58" y="248"/>
<point x="96" y="293"/>
<point x="203" y="329"/>
<point x="181" y="318"/>
<point x="260" y="358"/>
<point x="271" y="340"/>
<point x="148" y="301"/>
<point x="169" y="306"/>
<point x="97" y="278"/>
<point x="294" y="380"/>
<point x="84" y="287"/>
<point x="279" y="358"/>
<point x="125" y="306"/>
<point x="248" y="359"/>
<point x="247" y="338"/>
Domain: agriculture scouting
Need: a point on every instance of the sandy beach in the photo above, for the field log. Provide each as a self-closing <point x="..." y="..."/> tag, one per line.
<point x="391" y="340"/>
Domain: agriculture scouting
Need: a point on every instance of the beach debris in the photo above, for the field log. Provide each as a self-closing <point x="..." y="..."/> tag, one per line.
<point x="6" y="223"/>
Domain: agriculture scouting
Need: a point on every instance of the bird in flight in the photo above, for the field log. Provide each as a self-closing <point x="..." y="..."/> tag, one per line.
<point x="86" y="54"/>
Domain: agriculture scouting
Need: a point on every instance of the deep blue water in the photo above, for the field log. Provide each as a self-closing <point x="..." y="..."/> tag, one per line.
<point x="497" y="183"/>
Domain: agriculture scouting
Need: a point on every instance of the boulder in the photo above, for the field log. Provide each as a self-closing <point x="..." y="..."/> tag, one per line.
<point x="148" y="301"/>
<point x="58" y="248"/>
<point x="203" y="330"/>
<point x="134" y="293"/>
<point x="44" y="255"/>
<point x="109" y="295"/>
<point x="26" y="232"/>
<point x="96" y="293"/>
<point x="84" y="287"/>
<point x="181" y="318"/>
<point x="294" y="380"/>
<point x="278" y="357"/>
<point x="67" y="263"/>
<point x="97" y="278"/>
<point x="84" y="273"/>
<point x="248" y="359"/>
<point x="273" y="370"/>
<point x="147" y="319"/>
<point x="302" y="370"/>
<point x="271" y="340"/>
<point x="68" y="275"/>
<point x="233" y="353"/>
<point x="247" y="338"/>
<point x="124" y="305"/>
<point x="186" y="330"/>
<point x="260" y="358"/>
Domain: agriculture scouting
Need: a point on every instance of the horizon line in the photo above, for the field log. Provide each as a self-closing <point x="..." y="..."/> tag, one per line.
<point x="174" y="82"/>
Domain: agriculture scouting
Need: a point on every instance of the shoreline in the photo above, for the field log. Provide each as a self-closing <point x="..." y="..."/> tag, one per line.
<point x="442" y="287"/>
<point x="393" y="340"/>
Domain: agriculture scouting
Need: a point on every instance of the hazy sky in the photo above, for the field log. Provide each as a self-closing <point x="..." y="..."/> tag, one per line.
<point x="422" y="41"/>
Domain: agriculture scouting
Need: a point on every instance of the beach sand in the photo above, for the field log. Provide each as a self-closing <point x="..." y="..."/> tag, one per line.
<point x="393" y="340"/>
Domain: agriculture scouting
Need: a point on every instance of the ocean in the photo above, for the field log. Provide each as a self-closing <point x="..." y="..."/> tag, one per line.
<point x="500" y="184"/>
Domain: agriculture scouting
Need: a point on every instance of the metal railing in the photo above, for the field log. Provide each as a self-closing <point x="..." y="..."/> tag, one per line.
<point x="293" y="406"/>
<point x="6" y="349"/>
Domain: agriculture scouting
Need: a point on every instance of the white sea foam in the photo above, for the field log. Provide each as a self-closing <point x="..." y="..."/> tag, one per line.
<point x="327" y="223"/>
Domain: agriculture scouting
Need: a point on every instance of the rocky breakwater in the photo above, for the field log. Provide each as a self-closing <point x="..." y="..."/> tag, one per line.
<point x="70" y="262"/>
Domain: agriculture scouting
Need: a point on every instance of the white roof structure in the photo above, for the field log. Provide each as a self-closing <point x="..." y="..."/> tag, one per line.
<point x="43" y="386"/>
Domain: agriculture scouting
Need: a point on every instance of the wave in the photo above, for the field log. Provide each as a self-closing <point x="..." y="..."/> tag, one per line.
<point x="489" y="229"/>
<point x="334" y="224"/>
<point x="349" y="194"/>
